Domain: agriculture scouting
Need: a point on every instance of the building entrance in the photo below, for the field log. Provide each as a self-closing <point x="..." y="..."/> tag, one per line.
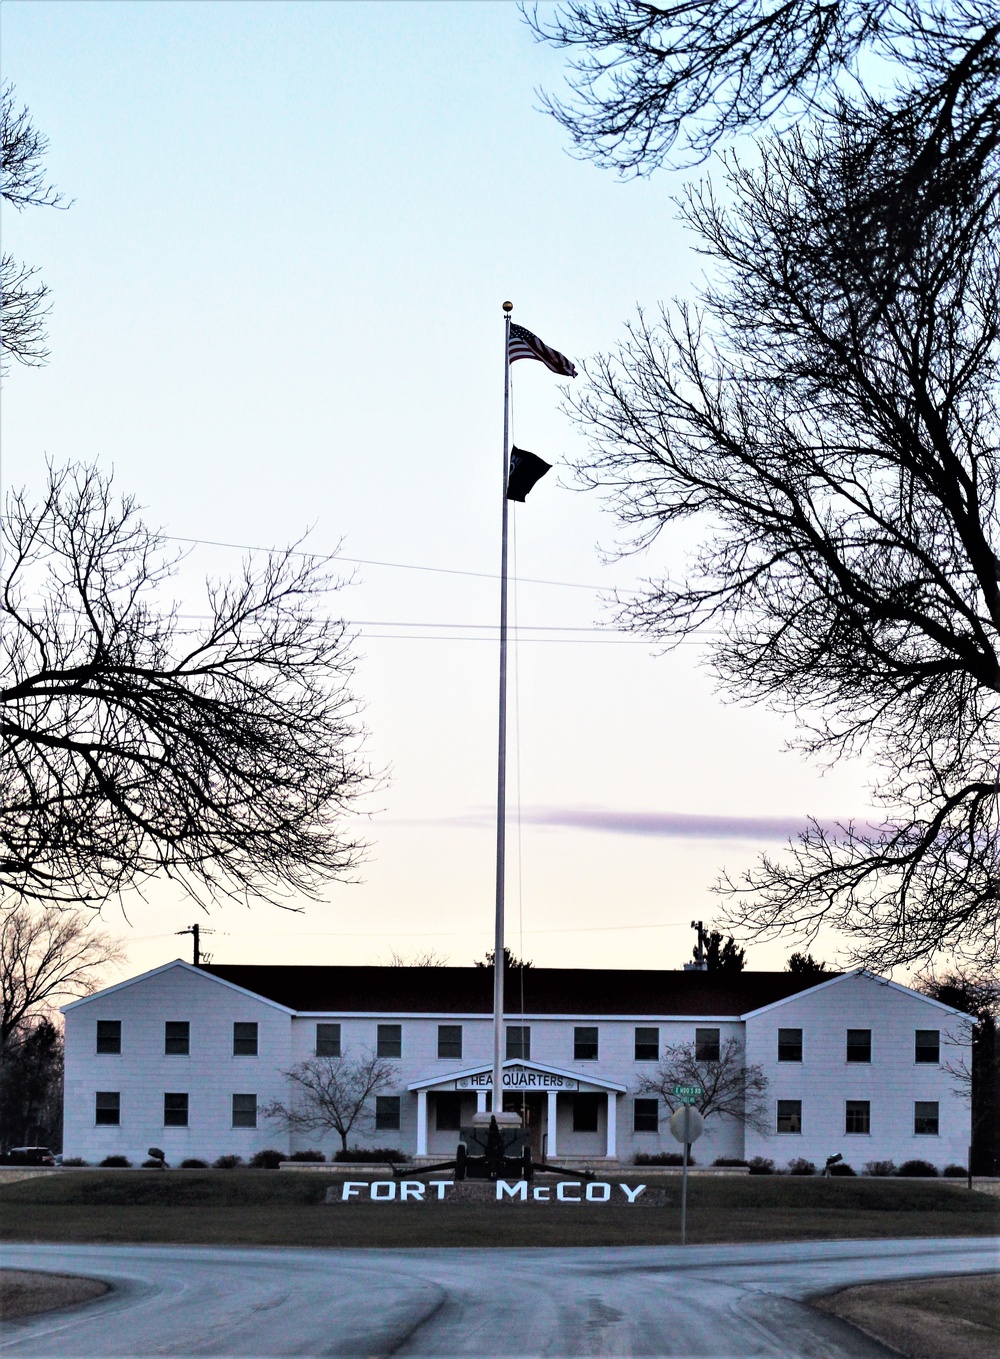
<point x="531" y="1107"/>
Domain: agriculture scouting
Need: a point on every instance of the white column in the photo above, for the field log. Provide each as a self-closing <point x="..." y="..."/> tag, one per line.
<point x="612" y="1123"/>
<point x="553" y="1098"/>
<point x="481" y="1100"/>
<point x="421" y="1122"/>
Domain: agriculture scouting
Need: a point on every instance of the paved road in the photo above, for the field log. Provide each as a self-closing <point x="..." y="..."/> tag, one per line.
<point x="706" y="1301"/>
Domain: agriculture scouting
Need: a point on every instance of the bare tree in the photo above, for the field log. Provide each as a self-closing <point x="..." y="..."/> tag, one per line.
<point x="428" y="957"/>
<point x="219" y="749"/>
<point x="661" y="84"/>
<point x="332" y="1094"/>
<point x="830" y="417"/>
<point x="47" y="956"/>
<point x="732" y="1090"/>
<point x="22" y="184"/>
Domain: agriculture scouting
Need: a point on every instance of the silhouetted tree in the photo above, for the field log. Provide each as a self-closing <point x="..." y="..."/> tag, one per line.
<point x="22" y="184"/>
<point x="804" y="964"/>
<point x="218" y="749"/>
<point x="331" y="1094"/>
<point x="732" y="1090"/>
<point x="510" y="962"/>
<point x="31" y="1086"/>
<point x="721" y="955"/>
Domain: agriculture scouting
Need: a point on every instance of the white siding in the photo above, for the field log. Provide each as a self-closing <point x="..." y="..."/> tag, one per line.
<point x="825" y="1080"/>
<point x="210" y="1076"/>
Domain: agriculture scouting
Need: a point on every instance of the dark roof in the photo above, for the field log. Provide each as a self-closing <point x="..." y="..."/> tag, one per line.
<point x="547" y="990"/>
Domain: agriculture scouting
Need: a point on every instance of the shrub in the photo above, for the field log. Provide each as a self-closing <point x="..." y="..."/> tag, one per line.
<point x="227" y="1162"/>
<point x="949" y="1172"/>
<point x="306" y="1156"/>
<point x="761" y="1165"/>
<point x="154" y="1165"/>
<point x="371" y="1154"/>
<point x="267" y="1160"/>
<point x="79" y="1161"/>
<point x="662" y="1158"/>
<point x="880" y="1167"/>
<point x="912" y="1170"/>
<point x="193" y="1163"/>
<point x="842" y="1168"/>
<point x="729" y="1161"/>
<point x="798" y="1165"/>
<point x="117" y="1162"/>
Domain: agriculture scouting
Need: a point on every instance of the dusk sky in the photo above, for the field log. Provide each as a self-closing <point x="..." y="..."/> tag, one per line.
<point x="277" y="308"/>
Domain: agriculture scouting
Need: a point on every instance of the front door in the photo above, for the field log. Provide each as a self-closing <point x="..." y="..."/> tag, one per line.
<point x="531" y="1107"/>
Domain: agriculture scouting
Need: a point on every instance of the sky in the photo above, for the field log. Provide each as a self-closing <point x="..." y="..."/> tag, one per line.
<point x="277" y="310"/>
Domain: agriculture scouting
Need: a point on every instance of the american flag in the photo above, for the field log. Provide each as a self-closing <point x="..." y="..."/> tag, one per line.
<point x="523" y="345"/>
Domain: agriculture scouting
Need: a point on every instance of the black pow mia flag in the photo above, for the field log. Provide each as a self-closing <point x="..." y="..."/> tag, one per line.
<point x="525" y="469"/>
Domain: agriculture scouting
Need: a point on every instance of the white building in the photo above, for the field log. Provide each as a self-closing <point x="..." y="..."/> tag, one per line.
<point x="185" y="1058"/>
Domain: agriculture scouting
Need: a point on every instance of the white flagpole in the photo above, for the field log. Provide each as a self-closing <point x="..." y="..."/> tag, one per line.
<point x="498" y="936"/>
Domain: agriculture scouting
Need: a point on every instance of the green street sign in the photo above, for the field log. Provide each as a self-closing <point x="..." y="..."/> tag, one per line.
<point x="688" y="1094"/>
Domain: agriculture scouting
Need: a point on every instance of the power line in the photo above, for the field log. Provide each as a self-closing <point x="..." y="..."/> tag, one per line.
<point x="398" y="566"/>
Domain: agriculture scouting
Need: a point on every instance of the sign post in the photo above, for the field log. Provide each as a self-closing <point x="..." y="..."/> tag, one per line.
<point x="687" y="1125"/>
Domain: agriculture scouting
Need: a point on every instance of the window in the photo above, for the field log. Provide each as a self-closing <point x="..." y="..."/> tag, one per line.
<point x="109" y="1035"/>
<point x="585" y="1045"/>
<point x="645" y="1115"/>
<point x="519" y="1041"/>
<point x="244" y="1040"/>
<point x="175" y="1110"/>
<point x="387" y="1112"/>
<point x="177" y="1038"/>
<point x="789" y="1045"/>
<point x="859" y="1045"/>
<point x="647" y="1045"/>
<point x="448" y="1115"/>
<point x="857" y="1116"/>
<point x="390" y="1041"/>
<point x="927" y="1046"/>
<point x="789" y="1115"/>
<point x="450" y="1041"/>
<point x="244" y="1111"/>
<point x="108" y="1108"/>
<point x="585" y="1112"/>
<point x="706" y="1045"/>
<point x="925" y="1118"/>
<point x="327" y="1040"/>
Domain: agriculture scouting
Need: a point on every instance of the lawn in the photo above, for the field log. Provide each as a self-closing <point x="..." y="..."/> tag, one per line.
<point x="243" y="1207"/>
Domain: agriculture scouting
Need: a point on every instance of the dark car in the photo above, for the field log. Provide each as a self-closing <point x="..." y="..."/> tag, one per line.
<point x="28" y="1156"/>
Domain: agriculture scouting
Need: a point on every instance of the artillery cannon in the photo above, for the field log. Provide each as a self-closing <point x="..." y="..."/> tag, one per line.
<point x="495" y="1153"/>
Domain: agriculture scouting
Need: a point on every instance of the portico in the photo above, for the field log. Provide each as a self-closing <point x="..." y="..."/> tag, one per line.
<point x="592" y="1101"/>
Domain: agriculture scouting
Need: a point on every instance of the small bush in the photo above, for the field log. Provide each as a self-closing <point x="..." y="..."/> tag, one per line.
<point x="306" y="1156"/>
<point x="761" y="1165"/>
<point x="912" y="1170"/>
<point x="227" y="1162"/>
<point x="842" y="1168"/>
<point x="154" y="1165"/>
<point x="729" y="1161"/>
<point x="371" y="1154"/>
<point x="79" y="1161"/>
<point x="949" y="1172"/>
<point x="117" y="1163"/>
<point x="267" y="1160"/>
<point x="193" y="1163"/>
<point x="662" y="1158"/>
<point x="880" y="1168"/>
<point x="798" y="1165"/>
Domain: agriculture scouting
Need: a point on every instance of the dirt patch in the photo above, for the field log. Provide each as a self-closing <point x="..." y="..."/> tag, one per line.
<point x="950" y="1318"/>
<point x="24" y="1292"/>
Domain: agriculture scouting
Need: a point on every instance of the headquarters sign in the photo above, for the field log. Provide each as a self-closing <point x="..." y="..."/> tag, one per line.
<point x="518" y="1078"/>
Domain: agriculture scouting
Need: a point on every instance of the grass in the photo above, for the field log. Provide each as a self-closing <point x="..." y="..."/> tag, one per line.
<point x="953" y="1318"/>
<point x="281" y="1208"/>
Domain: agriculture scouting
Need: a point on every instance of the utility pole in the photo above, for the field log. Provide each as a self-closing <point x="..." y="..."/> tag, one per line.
<point x="195" y="933"/>
<point x="700" y="963"/>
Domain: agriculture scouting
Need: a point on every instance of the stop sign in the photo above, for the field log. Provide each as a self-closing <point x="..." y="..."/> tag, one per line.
<point x="687" y="1124"/>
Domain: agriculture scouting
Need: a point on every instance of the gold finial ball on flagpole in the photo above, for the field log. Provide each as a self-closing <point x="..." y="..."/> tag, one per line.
<point x="508" y="306"/>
